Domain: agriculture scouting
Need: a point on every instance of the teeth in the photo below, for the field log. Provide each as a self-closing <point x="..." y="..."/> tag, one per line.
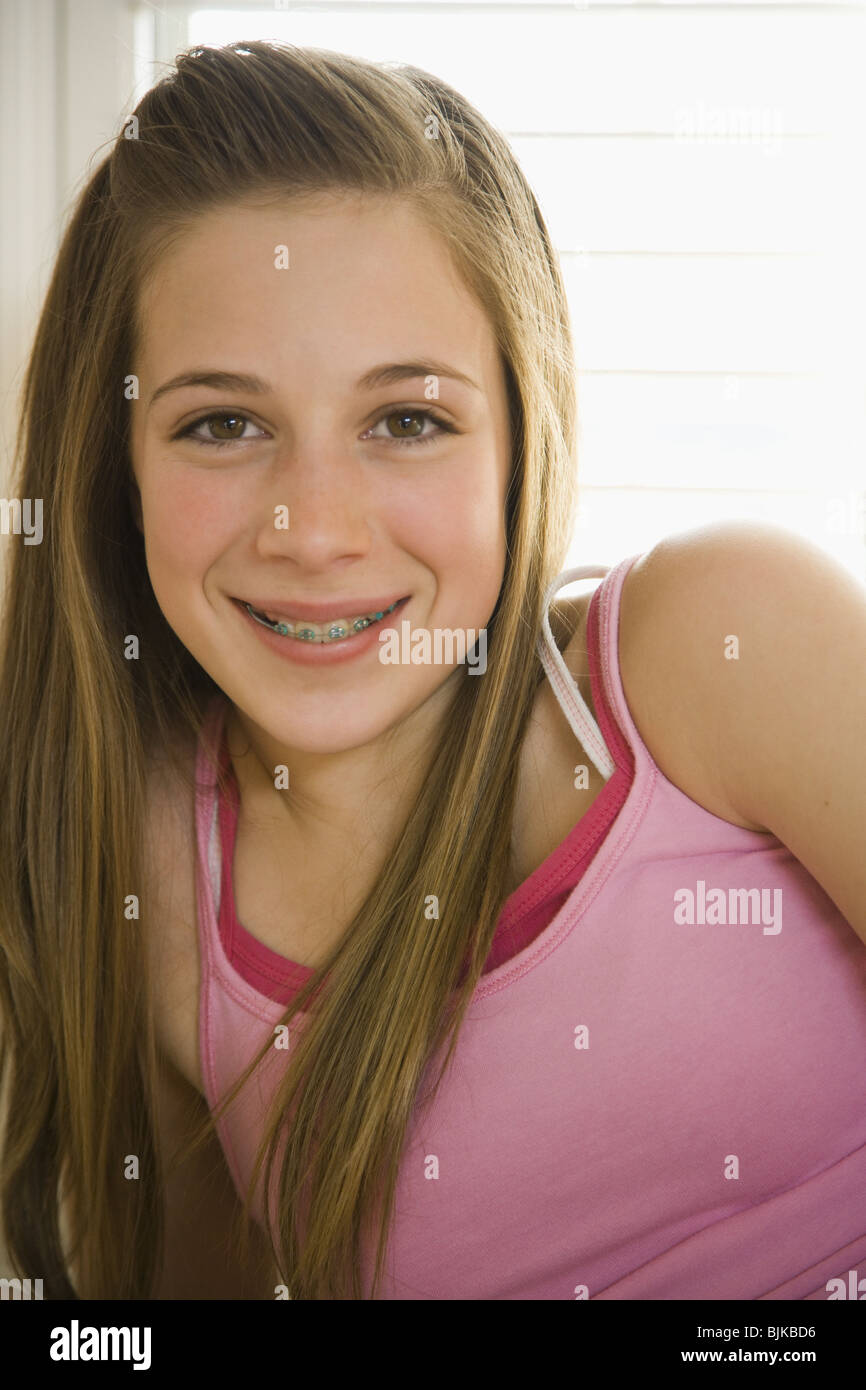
<point x="334" y="630"/>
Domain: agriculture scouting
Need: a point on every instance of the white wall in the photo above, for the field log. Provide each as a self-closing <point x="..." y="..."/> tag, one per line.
<point x="66" y="78"/>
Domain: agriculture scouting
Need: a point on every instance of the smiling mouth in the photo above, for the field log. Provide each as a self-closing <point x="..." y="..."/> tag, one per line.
<point x="336" y="630"/>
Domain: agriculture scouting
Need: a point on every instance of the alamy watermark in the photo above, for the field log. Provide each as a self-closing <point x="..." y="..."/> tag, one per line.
<point x="444" y="646"/>
<point x="13" y="511"/>
<point x="854" y="1289"/>
<point x="20" y="1289"/>
<point x="754" y="125"/>
<point x="714" y="906"/>
<point x="76" y="1343"/>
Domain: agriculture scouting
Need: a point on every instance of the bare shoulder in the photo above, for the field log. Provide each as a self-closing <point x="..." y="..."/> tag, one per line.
<point x="169" y="915"/>
<point x="680" y="615"/>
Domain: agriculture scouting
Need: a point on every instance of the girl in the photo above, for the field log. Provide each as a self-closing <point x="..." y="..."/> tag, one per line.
<point x="536" y="976"/>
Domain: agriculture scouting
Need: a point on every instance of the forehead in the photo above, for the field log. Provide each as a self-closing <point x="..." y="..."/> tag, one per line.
<point x="329" y="278"/>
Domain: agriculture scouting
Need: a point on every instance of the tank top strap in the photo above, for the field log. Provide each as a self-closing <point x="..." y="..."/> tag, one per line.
<point x="564" y="685"/>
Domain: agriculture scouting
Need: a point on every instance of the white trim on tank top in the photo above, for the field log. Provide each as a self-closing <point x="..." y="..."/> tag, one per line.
<point x="564" y="685"/>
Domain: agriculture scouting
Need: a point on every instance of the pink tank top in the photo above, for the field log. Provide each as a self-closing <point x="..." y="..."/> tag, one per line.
<point x="646" y="1102"/>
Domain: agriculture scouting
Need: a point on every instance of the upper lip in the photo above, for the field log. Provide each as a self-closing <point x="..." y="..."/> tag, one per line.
<point x="351" y="607"/>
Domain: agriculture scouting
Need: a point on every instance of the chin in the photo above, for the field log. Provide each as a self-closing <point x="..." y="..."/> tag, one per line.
<point x="324" y="731"/>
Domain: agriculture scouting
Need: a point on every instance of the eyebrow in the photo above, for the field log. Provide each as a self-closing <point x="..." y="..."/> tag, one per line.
<point x="386" y="374"/>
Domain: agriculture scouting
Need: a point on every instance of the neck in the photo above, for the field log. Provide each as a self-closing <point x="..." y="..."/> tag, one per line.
<point x="356" y="797"/>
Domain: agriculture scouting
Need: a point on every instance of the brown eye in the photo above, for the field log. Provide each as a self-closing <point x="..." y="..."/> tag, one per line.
<point x="223" y="427"/>
<point x="409" y="418"/>
<point x="406" y="426"/>
<point x="233" y="425"/>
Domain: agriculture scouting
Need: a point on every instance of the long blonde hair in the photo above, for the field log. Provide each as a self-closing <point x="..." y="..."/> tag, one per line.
<point x="78" y="1056"/>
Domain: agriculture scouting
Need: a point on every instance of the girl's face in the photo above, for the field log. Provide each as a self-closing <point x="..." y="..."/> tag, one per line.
<point x="320" y="478"/>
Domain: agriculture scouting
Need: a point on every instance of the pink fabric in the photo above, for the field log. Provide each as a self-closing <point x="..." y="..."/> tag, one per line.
<point x="528" y="910"/>
<point x="562" y="1167"/>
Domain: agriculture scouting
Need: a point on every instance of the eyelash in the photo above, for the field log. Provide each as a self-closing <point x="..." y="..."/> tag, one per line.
<point x="444" y="427"/>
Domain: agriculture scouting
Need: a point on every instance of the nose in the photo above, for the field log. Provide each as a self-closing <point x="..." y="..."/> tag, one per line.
<point x="316" y="508"/>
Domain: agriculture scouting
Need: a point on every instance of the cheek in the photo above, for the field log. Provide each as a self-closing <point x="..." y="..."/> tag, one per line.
<point x="184" y="524"/>
<point x="458" y="526"/>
